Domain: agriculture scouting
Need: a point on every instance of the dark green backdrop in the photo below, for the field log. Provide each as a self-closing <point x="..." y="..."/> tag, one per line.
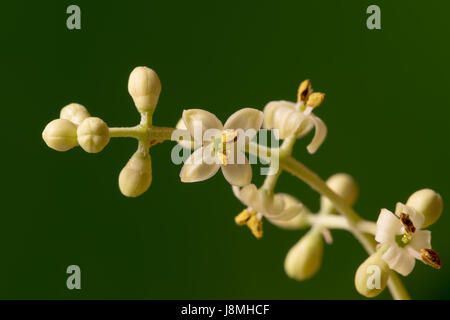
<point x="387" y="111"/>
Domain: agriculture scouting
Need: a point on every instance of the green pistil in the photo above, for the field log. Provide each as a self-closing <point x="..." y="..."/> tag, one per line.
<point x="403" y="239"/>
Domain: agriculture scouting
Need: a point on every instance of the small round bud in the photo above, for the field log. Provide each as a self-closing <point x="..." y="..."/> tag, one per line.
<point x="305" y="257"/>
<point x="136" y="177"/>
<point x="372" y="275"/>
<point x="60" y="135"/>
<point x="345" y="186"/>
<point x="93" y="135"/>
<point x="74" y="112"/>
<point x="144" y="87"/>
<point x="427" y="202"/>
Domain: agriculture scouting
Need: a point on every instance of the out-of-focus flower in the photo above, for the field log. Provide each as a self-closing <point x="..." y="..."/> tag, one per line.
<point x="280" y="209"/>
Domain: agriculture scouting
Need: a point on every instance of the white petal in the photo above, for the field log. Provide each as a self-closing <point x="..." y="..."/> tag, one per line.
<point x="421" y="239"/>
<point x="399" y="260"/>
<point x="269" y="111"/>
<point x="416" y="217"/>
<point x="196" y="169"/>
<point x="250" y="196"/>
<point x="238" y="174"/>
<point x="271" y="205"/>
<point x="388" y="226"/>
<point x="246" y="121"/>
<point x="197" y="121"/>
<point x="237" y="194"/>
<point x="319" y="135"/>
<point x="289" y="200"/>
<point x="283" y="116"/>
<point x="306" y="126"/>
<point x="289" y="213"/>
<point x="187" y="142"/>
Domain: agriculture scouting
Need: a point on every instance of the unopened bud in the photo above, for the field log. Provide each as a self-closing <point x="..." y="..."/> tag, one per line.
<point x="74" y="112"/>
<point x="60" y="135"/>
<point x="144" y="87"/>
<point x="136" y="177"/>
<point x="427" y="202"/>
<point x="344" y="186"/>
<point x="372" y="275"/>
<point x="304" y="259"/>
<point x="93" y="135"/>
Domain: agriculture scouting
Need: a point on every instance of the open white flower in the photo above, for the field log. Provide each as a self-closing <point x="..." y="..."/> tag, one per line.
<point x="279" y="208"/>
<point x="297" y="118"/>
<point x="222" y="145"/>
<point x="401" y="232"/>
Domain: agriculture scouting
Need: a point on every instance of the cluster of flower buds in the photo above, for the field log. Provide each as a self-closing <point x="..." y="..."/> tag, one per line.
<point x="402" y="240"/>
<point x="76" y="127"/>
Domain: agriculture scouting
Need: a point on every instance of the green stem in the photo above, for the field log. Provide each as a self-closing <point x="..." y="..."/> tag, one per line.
<point x="332" y="221"/>
<point x="129" y="132"/>
<point x="141" y="132"/>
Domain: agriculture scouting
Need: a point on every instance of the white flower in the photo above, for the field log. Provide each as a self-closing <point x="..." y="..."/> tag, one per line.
<point x="221" y="145"/>
<point x="280" y="209"/>
<point x="401" y="232"/>
<point x="297" y="118"/>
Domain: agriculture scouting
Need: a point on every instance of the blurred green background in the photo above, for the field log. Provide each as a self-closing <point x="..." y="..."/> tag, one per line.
<point x="387" y="111"/>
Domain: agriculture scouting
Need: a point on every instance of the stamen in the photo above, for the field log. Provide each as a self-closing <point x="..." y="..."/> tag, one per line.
<point x="224" y="137"/>
<point x="242" y="218"/>
<point x="255" y="226"/>
<point x="407" y="223"/>
<point x="223" y="156"/>
<point x="315" y="99"/>
<point x="252" y="220"/>
<point x="304" y="89"/>
<point x="431" y="258"/>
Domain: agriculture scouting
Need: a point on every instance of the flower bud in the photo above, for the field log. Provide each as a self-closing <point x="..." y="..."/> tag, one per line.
<point x="343" y="185"/>
<point x="60" y="135"/>
<point x="305" y="258"/>
<point x="372" y="275"/>
<point x="144" y="87"/>
<point x="74" y="112"/>
<point x="136" y="177"/>
<point x="427" y="202"/>
<point x="93" y="135"/>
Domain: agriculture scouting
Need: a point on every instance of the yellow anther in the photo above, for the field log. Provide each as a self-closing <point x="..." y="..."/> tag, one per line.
<point x="224" y="137"/>
<point x="255" y="226"/>
<point x="315" y="99"/>
<point x="431" y="258"/>
<point x="223" y="158"/>
<point x="252" y="222"/>
<point x="242" y="218"/>
<point x="407" y="223"/>
<point x="304" y="89"/>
